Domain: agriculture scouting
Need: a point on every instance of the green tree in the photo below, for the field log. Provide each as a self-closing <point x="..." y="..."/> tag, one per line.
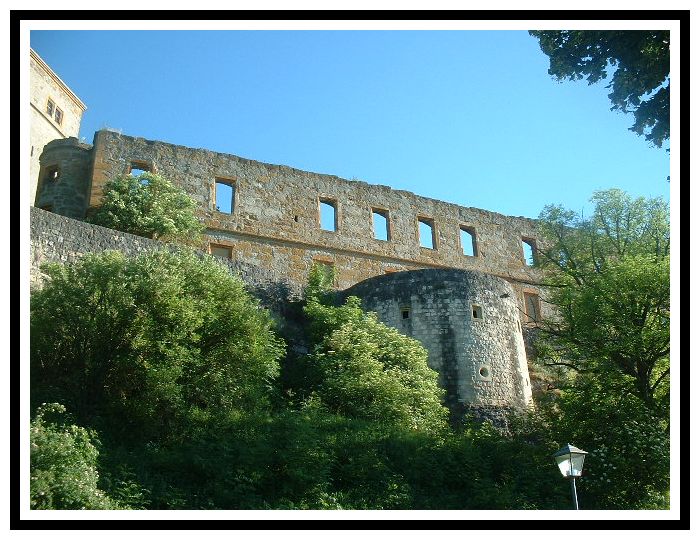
<point x="63" y="459"/>
<point x="148" y="205"/>
<point x="609" y="278"/>
<point x="368" y="370"/>
<point x="628" y="465"/>
<point x="640" y="81"/>
<point x="143" y="347"/>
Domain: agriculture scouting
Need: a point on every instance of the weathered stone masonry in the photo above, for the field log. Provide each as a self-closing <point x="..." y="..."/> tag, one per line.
<point x="275" y="225"/>
<point x="470" y="325"/>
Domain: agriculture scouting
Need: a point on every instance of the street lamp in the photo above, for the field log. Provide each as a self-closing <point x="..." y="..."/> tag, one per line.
<point x="570" y="462"/>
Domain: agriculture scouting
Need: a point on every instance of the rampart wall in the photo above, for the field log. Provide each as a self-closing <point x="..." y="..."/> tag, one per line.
<point x="55" y="238"/>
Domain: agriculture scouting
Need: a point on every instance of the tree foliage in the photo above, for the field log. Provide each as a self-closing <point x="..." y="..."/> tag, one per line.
<point x="148" y="205"/>
<point x="367" y="369"/>
<point x="64" y="464"/>
<point x="609" y="277"/>
<point x="154" y="341"/>
<point x="640" y="81"/>
<point x="171" y="362"/>
<point x="628" y="465"/>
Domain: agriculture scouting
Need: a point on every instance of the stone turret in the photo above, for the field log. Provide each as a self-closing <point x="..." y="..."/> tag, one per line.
<point x="470" y="324"/>
<point x="64" y="177"/>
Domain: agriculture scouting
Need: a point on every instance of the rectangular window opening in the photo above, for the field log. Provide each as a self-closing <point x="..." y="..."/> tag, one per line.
<point x="50" y="106"/>
<point x="529" y="251"/>
<point x="380" y="222"/>
<point x="426" y="233"/>
<point x="477" y="312"/>
<point x="137" y="168"/>
<point x="467" y="237"/>
<point x="328" y="214"/>
<point x="224" y="196"/>
<point x="532" y="307"/>
<point x="405" y="312"/>
<point x="219" y="250"/>
<point x="59" y="116"/>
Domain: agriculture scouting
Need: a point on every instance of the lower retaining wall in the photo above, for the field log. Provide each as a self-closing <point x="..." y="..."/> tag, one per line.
<point x="55" y="238"/>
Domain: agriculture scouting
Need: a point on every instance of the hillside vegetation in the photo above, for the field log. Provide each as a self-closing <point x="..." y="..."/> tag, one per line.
<point x="170" y="387"/>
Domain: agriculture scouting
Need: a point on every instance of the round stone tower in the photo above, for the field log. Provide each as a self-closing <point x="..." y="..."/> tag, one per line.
<point x="470" y="324"/>
<point x="64" y="177"/>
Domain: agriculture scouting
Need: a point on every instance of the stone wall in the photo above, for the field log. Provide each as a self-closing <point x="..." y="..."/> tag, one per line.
<point x="470" y="324"/>
<point x="275" y="220"/>
<point x="55" y="238"/>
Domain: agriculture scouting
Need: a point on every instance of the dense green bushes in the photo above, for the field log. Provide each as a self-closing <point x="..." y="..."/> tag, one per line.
<point x="63" y="464"/>
<point x="179" y="370"/>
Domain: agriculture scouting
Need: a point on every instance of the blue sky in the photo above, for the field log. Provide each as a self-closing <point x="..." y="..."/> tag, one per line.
<point x="470" y="117"/>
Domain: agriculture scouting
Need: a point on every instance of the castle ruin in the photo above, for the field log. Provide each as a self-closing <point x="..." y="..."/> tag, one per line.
<point x="456" y="278"/>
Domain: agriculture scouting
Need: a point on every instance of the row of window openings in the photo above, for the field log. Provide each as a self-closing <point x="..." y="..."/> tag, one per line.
<point x="380" y="225"/>
<point x="225" y="193"/>
<point x="426" y="231"/>
<point x="54" y="112"/>
<point x="225" y="197"/>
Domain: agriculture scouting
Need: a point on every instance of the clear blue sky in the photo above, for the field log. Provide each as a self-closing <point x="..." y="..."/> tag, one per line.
<point x="470" y="117"/>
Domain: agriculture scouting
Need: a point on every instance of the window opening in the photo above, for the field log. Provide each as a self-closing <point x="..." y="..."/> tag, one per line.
<point x="221" y="251"/>
<point x="59" y="116"/>
<point x="52" y="174"/>
<point x="532" y="306"/>
<point x="485" y="373"/>
<point x="137" y="168"/>
<point x="224" y="197"/>
<point x="426" y="232"/>
<point x="405" y="312"/>
<point x="477" y="312"/>
<point x="328" y="214"/>
<point x="529" y="250"/>
<point x="467" y="237"/>
<point x="380" y="221"/>
<point x="50" y="106"/>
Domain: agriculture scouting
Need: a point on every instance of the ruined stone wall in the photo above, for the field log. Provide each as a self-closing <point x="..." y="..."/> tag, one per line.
<point x="275" y="221"/>
<point x="470" y="324"/>
<point x="276" y="215"/>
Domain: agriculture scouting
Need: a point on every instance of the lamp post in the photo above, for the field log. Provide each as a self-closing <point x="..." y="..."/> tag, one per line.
<point x="570" y="462"/>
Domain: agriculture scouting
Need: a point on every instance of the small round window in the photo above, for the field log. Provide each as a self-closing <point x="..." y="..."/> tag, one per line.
<point x="485" y="372"/>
